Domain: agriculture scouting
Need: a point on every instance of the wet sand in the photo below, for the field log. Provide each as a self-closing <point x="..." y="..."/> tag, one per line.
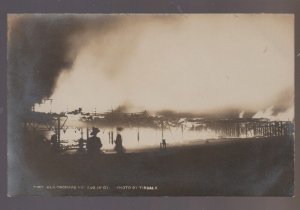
<point x="225" y="167"/>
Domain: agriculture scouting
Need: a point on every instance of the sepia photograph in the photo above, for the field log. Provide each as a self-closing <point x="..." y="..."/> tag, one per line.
<point x="150" y="104"/>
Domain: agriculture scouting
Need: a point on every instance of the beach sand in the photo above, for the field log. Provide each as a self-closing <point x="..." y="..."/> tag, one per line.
<point x="223" y="167"/>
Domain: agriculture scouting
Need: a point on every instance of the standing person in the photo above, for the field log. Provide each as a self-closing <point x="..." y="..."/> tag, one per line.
<point x="164" y="143"/>
<point x="94" y="144"/>
<point x="119" y="147"/>
<point x="54" y="143"/>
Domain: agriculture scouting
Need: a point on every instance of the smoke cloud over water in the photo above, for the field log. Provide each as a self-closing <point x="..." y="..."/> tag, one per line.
<point x="182" y="63"/>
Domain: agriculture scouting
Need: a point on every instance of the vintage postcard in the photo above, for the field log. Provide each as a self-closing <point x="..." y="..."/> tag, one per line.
<point x="151" y="104"/>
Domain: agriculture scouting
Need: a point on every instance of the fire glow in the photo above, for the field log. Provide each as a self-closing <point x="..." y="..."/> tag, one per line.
<point x="287" y="115"/>
<point x="186" y="66"/>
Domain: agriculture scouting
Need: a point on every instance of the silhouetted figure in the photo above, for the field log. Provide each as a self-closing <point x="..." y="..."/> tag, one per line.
<point x="93" y="144"/>
<point x="80" y="145"/>
<point x="54" y="143"/>
<point x="119" y="147"/>
<point x="163" y="144"/>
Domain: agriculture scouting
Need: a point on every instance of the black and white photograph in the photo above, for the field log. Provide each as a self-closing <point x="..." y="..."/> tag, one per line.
<point x="150" y="104"/>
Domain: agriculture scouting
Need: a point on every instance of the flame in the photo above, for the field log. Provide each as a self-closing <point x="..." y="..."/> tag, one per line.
<point x="287" y="115"/>
<point x="241" y="115"/>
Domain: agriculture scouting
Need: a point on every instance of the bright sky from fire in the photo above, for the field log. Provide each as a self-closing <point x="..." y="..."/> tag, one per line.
<point x="190" y="63"/>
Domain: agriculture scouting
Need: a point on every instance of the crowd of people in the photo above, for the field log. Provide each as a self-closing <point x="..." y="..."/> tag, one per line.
<point x="93" y="144"/>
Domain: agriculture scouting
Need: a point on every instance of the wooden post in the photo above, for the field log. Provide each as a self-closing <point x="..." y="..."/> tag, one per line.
<point x="58" y="130"/>
<point x="254" y="129"/>
<point x="108" y="137"/>
<point x="162" y="129"/>
<point x="87" y="133"/>
<point x="285" y="128"/>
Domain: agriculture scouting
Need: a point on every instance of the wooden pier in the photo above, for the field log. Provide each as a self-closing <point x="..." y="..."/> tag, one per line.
<point x="251" y="129"/>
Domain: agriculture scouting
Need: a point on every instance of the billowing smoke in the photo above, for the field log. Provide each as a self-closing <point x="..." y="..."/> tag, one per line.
<point x="40" y="47"/>
<point x="219" y="64"/>
<point x="181" y="63"/>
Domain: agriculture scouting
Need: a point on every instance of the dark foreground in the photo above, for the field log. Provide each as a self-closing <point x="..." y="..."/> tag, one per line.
<point x="244" y="167"/>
